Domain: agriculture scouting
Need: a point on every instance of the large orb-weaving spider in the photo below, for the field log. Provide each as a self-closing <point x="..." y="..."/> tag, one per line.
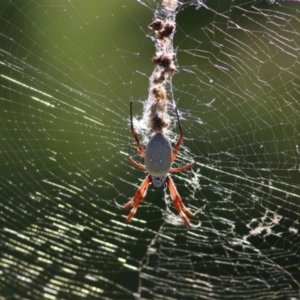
<point x="158" y="159"/>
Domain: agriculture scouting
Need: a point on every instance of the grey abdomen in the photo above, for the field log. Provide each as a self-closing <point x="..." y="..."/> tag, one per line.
<point x="158" y="155"/>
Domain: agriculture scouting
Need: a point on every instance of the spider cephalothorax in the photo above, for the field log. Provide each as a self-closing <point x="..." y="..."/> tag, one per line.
<point x="158" y="159"/>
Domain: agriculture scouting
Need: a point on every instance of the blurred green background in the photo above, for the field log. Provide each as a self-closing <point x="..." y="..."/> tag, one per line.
<point x="68" y="72"/>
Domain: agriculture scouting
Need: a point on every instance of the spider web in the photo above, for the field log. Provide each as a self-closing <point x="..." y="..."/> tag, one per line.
<point x="68" y="72"/>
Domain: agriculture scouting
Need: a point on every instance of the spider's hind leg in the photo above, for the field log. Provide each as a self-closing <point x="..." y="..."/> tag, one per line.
<point x="138" y="197"/>
<point x="182" y="210"/>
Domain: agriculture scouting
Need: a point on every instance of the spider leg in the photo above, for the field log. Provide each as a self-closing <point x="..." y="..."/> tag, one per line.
<point x="182" y="210"/>
<point x="138" y="197"/>
<point x="188" y="166"/>
<point x="180" y="169"/>
<point x="133" y="133"/>
<point x="176" y="148"/>
<point x="137" y="165"/>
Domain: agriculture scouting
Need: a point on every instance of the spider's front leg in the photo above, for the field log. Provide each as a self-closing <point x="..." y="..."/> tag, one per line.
<point x="176" y="148"/>
<point x="133" y="133"/>
<point x="138" y="197"/>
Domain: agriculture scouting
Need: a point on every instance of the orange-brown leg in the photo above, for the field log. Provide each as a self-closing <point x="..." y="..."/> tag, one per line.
<point x="138" y="197"/>
<point x="182" y="210"/>
<point x="188" y="166"/>
<point x="176" y="148"/>
<point x="180" y="169"/>
<point x="137" y="165"/>
<point x="133" y="133"/>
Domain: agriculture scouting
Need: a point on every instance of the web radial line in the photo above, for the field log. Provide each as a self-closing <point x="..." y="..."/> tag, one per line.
<point x="249" y="180"/>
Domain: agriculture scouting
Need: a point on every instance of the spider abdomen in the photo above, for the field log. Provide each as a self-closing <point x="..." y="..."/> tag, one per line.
<point x="158" y="156"/>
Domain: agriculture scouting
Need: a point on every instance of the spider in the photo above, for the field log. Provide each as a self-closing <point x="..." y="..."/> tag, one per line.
<point x="158" y="159"/>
